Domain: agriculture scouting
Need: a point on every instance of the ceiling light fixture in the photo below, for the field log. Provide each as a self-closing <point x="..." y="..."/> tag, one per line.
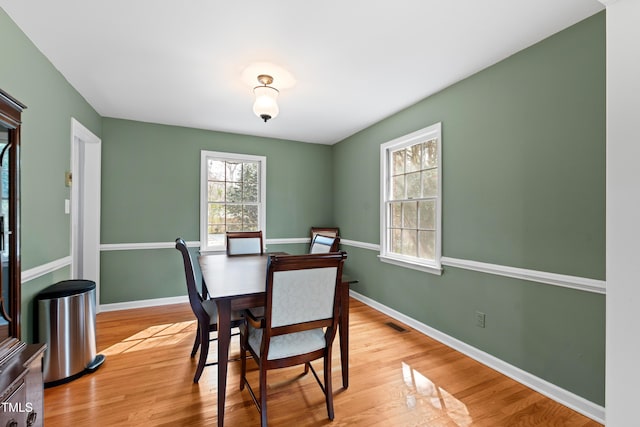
<point x="265" y="106"/>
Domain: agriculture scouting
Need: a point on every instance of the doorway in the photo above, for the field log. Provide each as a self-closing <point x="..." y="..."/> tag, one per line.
<point x="85" y="205"/>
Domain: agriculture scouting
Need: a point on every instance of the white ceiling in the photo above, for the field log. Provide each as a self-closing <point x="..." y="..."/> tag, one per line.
<point x="340" y="65"/>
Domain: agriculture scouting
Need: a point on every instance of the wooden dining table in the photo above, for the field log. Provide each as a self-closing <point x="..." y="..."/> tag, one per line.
<point x="237" y="283"/>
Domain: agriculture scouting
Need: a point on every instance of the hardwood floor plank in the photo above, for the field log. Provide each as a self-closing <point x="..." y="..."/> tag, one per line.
<point x="397" y="378"/>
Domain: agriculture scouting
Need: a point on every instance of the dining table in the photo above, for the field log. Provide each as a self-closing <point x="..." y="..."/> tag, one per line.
<point x="236" y="283"/>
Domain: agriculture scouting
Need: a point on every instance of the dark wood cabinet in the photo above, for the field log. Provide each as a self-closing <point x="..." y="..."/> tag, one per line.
<point x="21" y="385"/>
<point x="10" y="120"/>
<point x="22" y="389"/>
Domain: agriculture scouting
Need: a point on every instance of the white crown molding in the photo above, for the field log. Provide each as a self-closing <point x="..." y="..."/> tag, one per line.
<point x="565" y="397"/>
<point x="43" y="269"/>
<point x="607" y="2"/>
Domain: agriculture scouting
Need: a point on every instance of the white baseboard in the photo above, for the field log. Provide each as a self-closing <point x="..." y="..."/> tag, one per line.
<point x="142" y="303"/>
<point x="560" y="395"/>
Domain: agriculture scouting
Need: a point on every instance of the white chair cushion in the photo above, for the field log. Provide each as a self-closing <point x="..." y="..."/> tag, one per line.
<point x="321" y="244"/>
<point x="288" y="345"/>
<point x="320" y="249"/>
<point x="211" y="309"/>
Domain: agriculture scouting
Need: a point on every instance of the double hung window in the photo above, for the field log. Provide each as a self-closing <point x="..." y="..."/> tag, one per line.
<point x="411" y="187"/>
<point x="232" y="196"/>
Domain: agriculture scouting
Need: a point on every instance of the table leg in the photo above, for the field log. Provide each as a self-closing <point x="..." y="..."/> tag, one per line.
<point x="344" y="332"/>
<point x="224" y="338"/>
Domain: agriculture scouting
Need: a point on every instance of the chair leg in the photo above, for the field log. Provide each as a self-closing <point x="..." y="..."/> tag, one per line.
<point x="196" y="343"/>
<point x="243" y="359"/>
<point x="328" y="388"/>
<point x="263" y="397"/>
<point x="204" y="352"/>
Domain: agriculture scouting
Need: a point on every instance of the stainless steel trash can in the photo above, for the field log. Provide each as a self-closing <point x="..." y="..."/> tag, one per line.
<point x="67" y="323"/>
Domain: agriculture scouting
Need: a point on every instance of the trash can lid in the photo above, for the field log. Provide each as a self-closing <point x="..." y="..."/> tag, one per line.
<point x="66" y="288"/>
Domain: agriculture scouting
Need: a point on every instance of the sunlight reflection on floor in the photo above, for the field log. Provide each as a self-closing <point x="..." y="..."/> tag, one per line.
<point x="153" y="337"/>
<point x="421" y="388"/>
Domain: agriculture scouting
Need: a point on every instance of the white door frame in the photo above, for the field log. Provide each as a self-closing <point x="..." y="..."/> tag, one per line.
<point x="85" y="205"/>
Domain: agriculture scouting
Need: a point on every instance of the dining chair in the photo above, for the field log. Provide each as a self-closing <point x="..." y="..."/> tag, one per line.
<point x="299" y="322"/>
<point x="323" y="244"/>
<point x="244" y="242"/>
<point x="325" y="231"/>
<point x="205" y="311"/>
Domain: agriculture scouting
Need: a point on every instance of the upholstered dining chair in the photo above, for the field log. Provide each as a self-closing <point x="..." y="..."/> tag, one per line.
<point x="244" y="243"/>
<point x="323" y="244"/>
<point x="205" y="311"/>
<point x="299" y="322"/>
<point x="325" y="231"/>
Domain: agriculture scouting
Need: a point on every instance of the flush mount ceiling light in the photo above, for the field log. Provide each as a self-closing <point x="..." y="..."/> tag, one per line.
<point x="265" y="105"/>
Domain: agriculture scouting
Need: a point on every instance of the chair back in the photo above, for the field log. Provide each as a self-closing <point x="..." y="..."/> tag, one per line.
<point x="244" y="242"/>
<point x="325" y="231"/>
<point x="195" y="298"/>
<point x="323" y="244"/>
<point x="302" y="292"/>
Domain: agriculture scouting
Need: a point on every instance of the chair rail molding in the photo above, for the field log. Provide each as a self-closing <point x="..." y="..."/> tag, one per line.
<point x="41" y="270"/>
<point x="288" y="240"/>
<point x="362" y="245"/>
<point x="554" y="279"/>
<point x="572" y="282"/>
<point x="142" y="246"/>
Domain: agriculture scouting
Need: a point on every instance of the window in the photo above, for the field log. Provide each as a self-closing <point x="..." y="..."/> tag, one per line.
<point x="411" y="188"/>
<point x="232" y="196"/>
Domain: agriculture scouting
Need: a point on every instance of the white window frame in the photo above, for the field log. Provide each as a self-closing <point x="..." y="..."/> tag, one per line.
<point x="204" y="217"/>
<point x="435" y="267"/>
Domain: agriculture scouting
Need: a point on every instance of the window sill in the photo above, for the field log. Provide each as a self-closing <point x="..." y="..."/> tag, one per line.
<point x="212" y="251"/>
<point x="437" y="270"/>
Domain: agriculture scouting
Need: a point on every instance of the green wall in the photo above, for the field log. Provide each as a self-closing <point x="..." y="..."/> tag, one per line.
<point x="151" y="190"/>
<point x="46" y="152"/>
<point x="523" y="186"/>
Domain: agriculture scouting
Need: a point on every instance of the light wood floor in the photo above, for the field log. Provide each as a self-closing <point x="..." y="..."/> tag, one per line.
<point x="396" y="379"/>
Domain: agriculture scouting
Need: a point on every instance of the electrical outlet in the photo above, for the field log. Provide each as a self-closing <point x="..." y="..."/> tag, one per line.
<point x="480" y="319"/>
